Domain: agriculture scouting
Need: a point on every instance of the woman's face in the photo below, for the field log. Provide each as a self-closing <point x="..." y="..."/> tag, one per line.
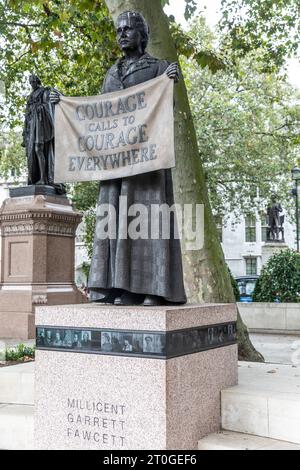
<point x="129" y="38"/>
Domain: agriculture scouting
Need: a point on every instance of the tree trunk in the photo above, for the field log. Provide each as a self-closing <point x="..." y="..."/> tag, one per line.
<point x="205" y="271"/>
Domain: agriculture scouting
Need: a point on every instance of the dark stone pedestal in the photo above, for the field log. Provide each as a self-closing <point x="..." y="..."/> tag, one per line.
<point x="23" y="191"/>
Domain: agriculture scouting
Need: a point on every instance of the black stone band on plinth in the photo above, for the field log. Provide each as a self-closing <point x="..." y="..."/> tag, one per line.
<point x="34" y="190"/>
<point x="143" y="344"/>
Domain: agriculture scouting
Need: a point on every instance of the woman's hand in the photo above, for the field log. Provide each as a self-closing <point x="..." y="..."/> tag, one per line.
<point x="54" y="96"/>
<point x="173" y="71"/>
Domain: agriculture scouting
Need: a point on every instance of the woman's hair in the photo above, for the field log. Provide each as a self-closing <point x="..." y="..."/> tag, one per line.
<point x="140" y="24"/>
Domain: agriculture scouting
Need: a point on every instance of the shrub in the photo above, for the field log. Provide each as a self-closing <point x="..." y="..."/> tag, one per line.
<point x="19" y="353"/>
<point x="235" y="287"/>
<point x="279" y="279"/>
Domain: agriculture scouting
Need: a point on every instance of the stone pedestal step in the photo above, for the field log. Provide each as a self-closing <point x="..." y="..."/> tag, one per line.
<point x="17" y="384"/>
<point x="266" y="402"/>
<point x="227" y="440"/>
<point x="16" y="427"/>
<point x="271" y="317"/>
<point x="277" y="348"/>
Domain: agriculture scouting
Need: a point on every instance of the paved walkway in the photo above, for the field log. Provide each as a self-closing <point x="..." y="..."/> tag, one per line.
<point x="226" y="440"/>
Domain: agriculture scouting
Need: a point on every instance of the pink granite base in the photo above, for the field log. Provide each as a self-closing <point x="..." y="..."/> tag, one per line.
<point x="87" y="401"/>
<point x="36" y="259"/>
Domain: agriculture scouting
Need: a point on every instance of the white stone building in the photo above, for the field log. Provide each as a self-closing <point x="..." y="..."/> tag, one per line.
<point x="243" y="243"/>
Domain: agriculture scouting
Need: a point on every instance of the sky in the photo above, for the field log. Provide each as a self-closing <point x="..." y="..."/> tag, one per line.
<point x="177" y="8"/>
<point x="212" y="15"/>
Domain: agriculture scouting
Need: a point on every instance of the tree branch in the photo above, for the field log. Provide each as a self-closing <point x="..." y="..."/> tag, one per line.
<point x="19" y="58"/>
<point x="21" y="25"/>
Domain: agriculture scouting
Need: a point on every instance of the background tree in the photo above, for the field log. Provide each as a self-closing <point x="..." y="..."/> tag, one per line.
<point x="270" y="25"/>
<point x="12" y="157"/>
<point x="247" y="122"/>
<point x="69" y="44"/>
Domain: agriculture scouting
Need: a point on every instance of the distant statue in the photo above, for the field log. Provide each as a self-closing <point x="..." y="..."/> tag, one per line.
<point x="275" y="222"/>
<point x="38" y="135"/>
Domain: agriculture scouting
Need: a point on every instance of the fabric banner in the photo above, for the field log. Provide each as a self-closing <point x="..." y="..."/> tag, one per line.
<point x="115" y="135"/>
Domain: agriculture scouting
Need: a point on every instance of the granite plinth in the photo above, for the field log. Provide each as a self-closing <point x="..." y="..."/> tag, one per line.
<point x="271" y="248"/>
<point x="98" y="400"/>
<point x="37" y="259"/>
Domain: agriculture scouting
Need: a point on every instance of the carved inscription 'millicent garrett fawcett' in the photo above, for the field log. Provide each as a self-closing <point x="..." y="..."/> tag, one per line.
<point x="97" y="422"/>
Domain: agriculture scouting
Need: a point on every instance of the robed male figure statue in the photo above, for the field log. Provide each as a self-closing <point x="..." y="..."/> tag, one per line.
<point x="275" y="225"/>
<point x="136" y="271"/>
<point x="38" y="136"/>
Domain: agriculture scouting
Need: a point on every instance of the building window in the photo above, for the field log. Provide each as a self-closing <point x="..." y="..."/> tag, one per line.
<point x="264" y="228"/>
<point x="251" y="266"/>
<point x="250" y="229"/>
<point x="219" y="224"/>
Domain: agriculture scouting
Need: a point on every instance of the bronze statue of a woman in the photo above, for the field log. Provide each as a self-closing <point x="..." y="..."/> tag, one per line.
<point x="139" y="271"/>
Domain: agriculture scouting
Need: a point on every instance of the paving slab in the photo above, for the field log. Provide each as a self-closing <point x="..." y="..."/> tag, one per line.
<point x="17" y="384"/>
<point x="265" y="403"/>
<point x="16" y="427"/>
<point x="226" y="440"/>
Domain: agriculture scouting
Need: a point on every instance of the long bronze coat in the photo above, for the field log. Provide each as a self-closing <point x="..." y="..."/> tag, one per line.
<point x="152" y="267"/>
<point x="39" y="129"/>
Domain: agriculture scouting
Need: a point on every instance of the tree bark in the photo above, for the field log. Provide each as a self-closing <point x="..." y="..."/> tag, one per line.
<point x="205" y="271"/>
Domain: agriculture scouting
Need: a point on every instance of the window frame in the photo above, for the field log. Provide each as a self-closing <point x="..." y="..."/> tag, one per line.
<point x="250" y="229"/>
<point x="253" y="265"/>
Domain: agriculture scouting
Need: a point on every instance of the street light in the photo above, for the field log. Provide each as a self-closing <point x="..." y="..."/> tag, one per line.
<point x="296" y="178"/>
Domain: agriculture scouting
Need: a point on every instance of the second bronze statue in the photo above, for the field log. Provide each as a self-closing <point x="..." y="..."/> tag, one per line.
<point x="38" y="135"/>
